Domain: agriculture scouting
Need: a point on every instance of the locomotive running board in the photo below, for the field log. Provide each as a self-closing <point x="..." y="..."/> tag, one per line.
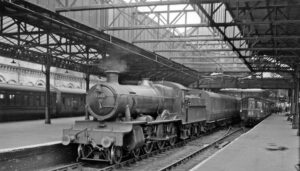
<point x="90" y="159"/>
<point x="163" y="121"/>
<point x="218" y="120"/>
<point x="161" y="139"/>
<point x="193" y="122"/>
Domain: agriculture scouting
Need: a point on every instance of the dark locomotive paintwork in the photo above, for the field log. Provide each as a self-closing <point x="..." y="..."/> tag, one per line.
<point x="131" y="118"/>
<point x="255" y="109"/>
<point x="109" y="100"/>
<point x="26" y="102"/>
<point x="218" y="106"/>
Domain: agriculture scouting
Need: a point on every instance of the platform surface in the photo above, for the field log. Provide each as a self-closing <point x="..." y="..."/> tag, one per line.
<point x="22" y="134"/>
<point x="271" y="145"/>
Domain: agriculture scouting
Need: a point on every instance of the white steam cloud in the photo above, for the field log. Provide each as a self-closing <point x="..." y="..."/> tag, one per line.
<point x="113" y="64"/>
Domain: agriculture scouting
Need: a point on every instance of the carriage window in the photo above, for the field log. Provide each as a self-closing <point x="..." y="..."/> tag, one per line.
<point x="75" y="101"/>
<point x="12" y="99"/>
<point x="244" y="104"/>
<point x="37" y="100"/>
<point x="42" y="100"/>
<point x="259" y="105"/>
<point x="68" y="102"/>
<point x="11" y="96"/>
<point x="54" y="100"/>
<point x="2" y="99"/>
<point x="18" y="100"/>
<point x="26" y="100"/>
<point x="251" y="103"/>
<point x="31" y="100"/>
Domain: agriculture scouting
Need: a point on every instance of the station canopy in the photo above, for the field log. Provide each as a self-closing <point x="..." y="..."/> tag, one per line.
<point x="187" y="39"/>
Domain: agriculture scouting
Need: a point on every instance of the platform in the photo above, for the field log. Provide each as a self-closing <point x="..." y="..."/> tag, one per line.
<point x="28" y="134"/>
<point x="271" y="145"/>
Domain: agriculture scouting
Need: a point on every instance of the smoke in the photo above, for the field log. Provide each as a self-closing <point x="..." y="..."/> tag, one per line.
<point x="113" y="64"/>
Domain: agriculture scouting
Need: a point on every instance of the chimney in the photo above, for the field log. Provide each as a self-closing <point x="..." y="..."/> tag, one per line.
<point x="112" y="76"/>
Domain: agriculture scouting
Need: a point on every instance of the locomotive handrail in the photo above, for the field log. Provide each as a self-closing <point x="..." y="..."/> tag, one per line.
<point x="76" y="134"/>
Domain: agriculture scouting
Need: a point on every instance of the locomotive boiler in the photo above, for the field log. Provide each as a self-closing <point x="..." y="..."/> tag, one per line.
<point x="130" y="119"/>
<point x="108" y="101"/>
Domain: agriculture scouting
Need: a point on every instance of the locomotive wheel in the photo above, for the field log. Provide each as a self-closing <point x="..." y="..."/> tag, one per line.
<point x="199" y="130"/>
<point x="116" y="154"/>
<point x="107" y="155"/>
<point x="173" y="131"/>
<point x="160" y="144"/>
<point x="148" y="147"/>
<point x="172" y="141"/>
<point x="136" y="152"/>
<point x="79" y="152"/>
<point x="86" y="151"/>
<point x="196" y="132"/>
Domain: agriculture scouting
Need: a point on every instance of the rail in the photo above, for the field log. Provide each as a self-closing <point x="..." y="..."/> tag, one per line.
<point x="80" y="165"/>
<point x="178" y="162"/>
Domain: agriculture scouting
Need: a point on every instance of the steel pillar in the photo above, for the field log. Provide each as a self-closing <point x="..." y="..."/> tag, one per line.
<point x="87" y="87"/>
<point x="292" y="101"/>
<point x="48" y="95"/>
<point x="296" y="106"/>
<point x="296" y="101"/>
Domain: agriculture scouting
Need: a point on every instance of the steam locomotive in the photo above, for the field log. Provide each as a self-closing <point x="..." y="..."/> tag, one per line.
<point x="255" y="109"/>
<point x="128" y="119"/>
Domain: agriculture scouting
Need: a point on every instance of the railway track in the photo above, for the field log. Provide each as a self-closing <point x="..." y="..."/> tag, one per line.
<point x="197" y="152"/>
<point x="169" y="158"/>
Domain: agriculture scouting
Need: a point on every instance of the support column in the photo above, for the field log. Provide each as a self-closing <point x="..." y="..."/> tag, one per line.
<point x="87" y="83"/>
<point x="48" y="96"/>
<point x="292" y="102"/>
<point x="290" y="96"/>
<point x="296" y="101"/>
<point x="47" y="59"/>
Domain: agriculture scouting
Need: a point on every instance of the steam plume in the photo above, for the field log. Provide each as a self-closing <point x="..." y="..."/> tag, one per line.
<point x="113" y="64"/>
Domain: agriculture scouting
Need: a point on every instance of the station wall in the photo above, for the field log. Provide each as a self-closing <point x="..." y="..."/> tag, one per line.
<point x="20" y="73"/>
